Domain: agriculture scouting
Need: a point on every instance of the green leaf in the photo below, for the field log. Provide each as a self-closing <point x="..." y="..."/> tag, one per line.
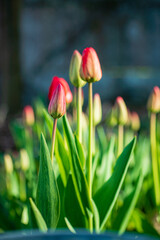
<point x="141" y="223"/>
<point x="95" y="217"/>
<point x="47" y="198"/>
<point x="80" y="152"/>
<point x="126" y="210"/>
<point x="107" y="195"/>
<point x="62" y="157"/>
<point x="102" y="138"/>
<point x="72" y="208"/>
<point x="49" y="121"/>
<point x="69" y="225"/>
<point x="38" y="217"/>
<point x="79" y="179"/>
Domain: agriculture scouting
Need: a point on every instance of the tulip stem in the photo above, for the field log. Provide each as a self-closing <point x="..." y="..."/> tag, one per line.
<point x="79" y="113"/>
<point x="154" y="158"/>
<point x="53" y="138"/>
<point x="120" y="139"/>
<point x="90" y="145"/>
<point x="90" y="140"/>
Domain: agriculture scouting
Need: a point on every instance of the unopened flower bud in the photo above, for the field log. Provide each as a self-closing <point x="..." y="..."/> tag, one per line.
<point x="90" y="70"/>
<point x="74" y="68"/>
<point x="28" y="115"/>
<point x="24" y="160"/>
<point x="55" y="81"/>
<point x="121" y="112"/>
<point x="97" y="109"/>
<point x="8" y="163"/>
<point x="135" y="121"/>
<point x="111" y="119"/>
<point x="128" y="124"/>
<point x="57" y="105"/>
<point x="153" y="104"/>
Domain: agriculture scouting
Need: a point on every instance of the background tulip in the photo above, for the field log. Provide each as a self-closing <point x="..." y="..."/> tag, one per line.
<point x="28" y="115"/>
<point x="153" y="104"/>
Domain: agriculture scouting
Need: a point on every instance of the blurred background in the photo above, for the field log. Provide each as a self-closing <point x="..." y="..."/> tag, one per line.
<point x="38" y="37"/>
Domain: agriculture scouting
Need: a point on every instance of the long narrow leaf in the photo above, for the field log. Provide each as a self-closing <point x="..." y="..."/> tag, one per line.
<point x="107" y="195"/>
<point x="41" y="225"/>
<point x="72" y="208"/>
<point x="125" y="212"/>
<point x="62" y="157"/>
<point x="47" y="198"/>
<point x="79" y="179"/>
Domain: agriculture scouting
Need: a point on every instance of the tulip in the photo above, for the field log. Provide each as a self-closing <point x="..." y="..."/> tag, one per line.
<point x="90" y="70"/>
<point x="24" y="160"/>
<point x="97" y="116"/>
<point x="8" y="163"/>
<point x="97" y="109"/>
<point x="135" y="121"/>
<point x="76" y="80"/>
<point x="74" y="68"/>
<point x="56" y="108"/>
<point x="121" y="116"/>
<point x="55" y="81"/>
<point x="153" y="104"/>
<point x="57" y="105"/>
<point x="28" y="115"/>
<point x="121" y="112"/>
<point x="153" y="107"/>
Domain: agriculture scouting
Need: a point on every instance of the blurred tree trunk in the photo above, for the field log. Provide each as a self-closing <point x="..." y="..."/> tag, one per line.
<point x="10" y="73"/>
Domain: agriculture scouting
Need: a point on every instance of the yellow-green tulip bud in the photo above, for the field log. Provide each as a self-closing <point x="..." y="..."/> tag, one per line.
<point x="74" y="68"/>
<point x="135" y="121"/>
<point x="120" y="111"/>
<point x="97" y="109"/>
<point x="153" y="104"/>
<point x="8" y="163"/>
<point x="24" y="160"/>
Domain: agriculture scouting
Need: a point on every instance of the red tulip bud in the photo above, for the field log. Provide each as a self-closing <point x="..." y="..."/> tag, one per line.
<point x="90" y="70"/>
<point x="55" y="81"/>
<point x="57" y="105"/>
<point x="153" y="104"/>
<point x="28" y="115"/>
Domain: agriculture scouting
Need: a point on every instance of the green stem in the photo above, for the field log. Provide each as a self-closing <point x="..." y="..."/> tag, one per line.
<point x="90" y="140"/>
<point x="79" y="113"/>
<point x="53" y="138"/>
<point x="154" y="158"/>
<point x="90" y="144"/>
<point x="94" y="140"/>
<point x="120" y="140"/>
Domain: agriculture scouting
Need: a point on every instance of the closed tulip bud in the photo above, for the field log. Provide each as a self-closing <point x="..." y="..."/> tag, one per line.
<point x="90" y="70"/>
<point x="28" y="115"/>
<point x="153" y="104"/>
<point x="57" y="105"/>
<point x="55" y="81"/>
<point x="24" y="160"/>
<point x="121" y="112"/>
<point x="111" y="119"/>
<point x="135" y="121"/>
<point x="8" y="163"/>
<point x="74" y="68"/>
<point x="97" y="109"/>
